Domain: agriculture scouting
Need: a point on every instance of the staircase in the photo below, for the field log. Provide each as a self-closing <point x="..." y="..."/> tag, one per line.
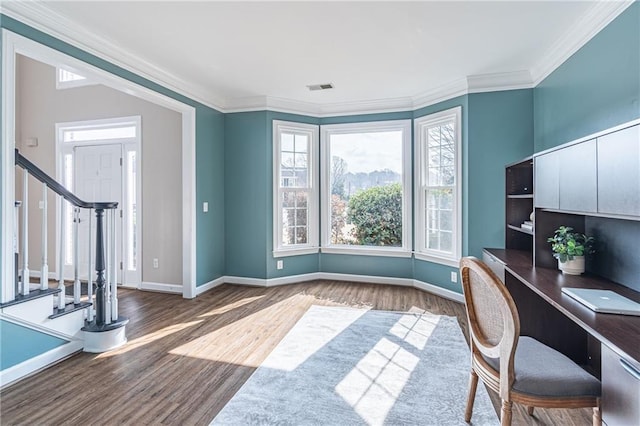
<point x="41" y="325"/>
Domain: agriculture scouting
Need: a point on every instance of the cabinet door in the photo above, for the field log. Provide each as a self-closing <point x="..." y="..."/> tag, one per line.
<point x="619" y="172"/>
<point x="546" y="186"/>
<point x="620" y="390"/>
<point x="578" y="181"/>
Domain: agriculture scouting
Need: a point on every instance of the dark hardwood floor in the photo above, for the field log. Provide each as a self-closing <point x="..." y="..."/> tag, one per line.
<point x="186" y="358"/>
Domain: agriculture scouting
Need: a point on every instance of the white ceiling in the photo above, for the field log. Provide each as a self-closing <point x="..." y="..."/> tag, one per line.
<point x="243" y="55"/>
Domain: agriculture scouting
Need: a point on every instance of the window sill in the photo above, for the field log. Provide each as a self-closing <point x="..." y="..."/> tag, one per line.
<point x="295" y="251"/>
<point x="367" y="251"/>
<point x="454" y="263"/>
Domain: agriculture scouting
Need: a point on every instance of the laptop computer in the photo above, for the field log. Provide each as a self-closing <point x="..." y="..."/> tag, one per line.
<point x="603" y="301"/>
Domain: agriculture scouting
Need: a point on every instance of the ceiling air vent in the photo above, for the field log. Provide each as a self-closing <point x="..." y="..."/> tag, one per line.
<point x="324" y="86"/>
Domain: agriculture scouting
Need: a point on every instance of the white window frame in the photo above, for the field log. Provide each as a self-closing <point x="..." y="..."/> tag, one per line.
<point x="312" y="244"/>
<point x="421" y="169"/>
<point x="325" y="166"/>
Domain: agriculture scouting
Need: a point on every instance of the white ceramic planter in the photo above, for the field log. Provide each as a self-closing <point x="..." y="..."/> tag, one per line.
<point x="572" y="267"/>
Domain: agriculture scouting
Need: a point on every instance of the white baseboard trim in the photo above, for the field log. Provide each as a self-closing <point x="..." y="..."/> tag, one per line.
<point x="162" y="287"/>
<point x="293" y="279"/>
<point x="439" y="291"/>
<point x="252" y="282"/>
<point x="403" y="282"/>
<point x="35" y="364"/>
<point x="208" y="286"/>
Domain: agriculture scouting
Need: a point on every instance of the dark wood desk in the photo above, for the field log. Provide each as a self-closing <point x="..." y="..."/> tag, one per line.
<point x="601" y="342"/>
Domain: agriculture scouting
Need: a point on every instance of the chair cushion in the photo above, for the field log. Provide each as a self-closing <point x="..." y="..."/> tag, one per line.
<point x="542" y="371"/>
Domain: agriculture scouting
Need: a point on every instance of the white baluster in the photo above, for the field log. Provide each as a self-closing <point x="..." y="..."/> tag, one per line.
<point x="25" y="233"/>
<point x="62" y="294"/>
<point x="108" y="269"/>
<point x="16" y="251"/>
<point x="44" y="272"/>
<point x="76" y="276"/>
<point x="114" y="258"/>
<point x="90" y="272"/>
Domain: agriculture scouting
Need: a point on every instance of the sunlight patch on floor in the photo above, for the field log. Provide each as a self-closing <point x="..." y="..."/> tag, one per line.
<point x="230" y="306"/>
<point x="376" y="382"/>
<point x="238" y="340"/>
<point x="149" y="338"/>
<point x="305" y="340"/>
<point x="414" y="330"/>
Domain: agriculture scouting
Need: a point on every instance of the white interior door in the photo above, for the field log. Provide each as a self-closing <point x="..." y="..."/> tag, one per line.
<point x="97" y="172"/>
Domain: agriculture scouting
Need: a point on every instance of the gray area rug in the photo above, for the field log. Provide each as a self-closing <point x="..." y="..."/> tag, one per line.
<point x="343" y="366"/>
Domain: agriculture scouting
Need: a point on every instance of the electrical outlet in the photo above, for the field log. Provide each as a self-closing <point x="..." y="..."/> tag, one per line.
<point x="155" y="263"/>
<point x="205" y="206"/>
<point x="454" y="277"/>
<point x="280" y="264"/>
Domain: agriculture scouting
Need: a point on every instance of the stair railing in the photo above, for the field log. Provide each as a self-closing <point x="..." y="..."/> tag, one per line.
<point x="105" y="309"/>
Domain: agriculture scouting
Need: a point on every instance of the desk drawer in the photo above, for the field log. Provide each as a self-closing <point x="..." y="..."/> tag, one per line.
<point x="620" y="390"/>
<point x="492" y="262"/>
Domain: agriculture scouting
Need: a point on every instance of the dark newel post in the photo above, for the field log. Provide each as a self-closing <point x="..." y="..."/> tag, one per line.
<point x="101" y="316"/>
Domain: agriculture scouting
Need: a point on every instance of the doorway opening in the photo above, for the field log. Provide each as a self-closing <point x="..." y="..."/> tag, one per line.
<point x="99" y="160"/>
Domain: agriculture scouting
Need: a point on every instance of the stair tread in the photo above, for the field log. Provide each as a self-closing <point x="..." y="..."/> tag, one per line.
<point x="33" y="294"/>
<point x="68" y="308"/>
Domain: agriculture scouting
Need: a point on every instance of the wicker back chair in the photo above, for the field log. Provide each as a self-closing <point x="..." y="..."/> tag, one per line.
<point x="534" y="374"/>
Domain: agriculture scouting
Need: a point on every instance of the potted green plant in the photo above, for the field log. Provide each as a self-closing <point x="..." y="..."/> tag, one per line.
<point x="569" y="248"/>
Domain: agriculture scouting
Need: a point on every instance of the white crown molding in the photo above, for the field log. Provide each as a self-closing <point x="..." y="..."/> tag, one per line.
<point x="439" y="94"/>
<point x="499" y="81"/>
<point x="595" y="19"/>
<point x="40" y="17"/>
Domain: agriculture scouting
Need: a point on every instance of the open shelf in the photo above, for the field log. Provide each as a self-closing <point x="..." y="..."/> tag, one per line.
<point x="519" y="205"/>
<point x="517" y="228"/>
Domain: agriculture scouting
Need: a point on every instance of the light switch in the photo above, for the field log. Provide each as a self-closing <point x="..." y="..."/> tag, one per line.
<point x="205" y="206"/>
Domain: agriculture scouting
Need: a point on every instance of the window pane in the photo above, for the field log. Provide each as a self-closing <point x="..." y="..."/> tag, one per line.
<point x="301" y="235"/>
<point x="446" y="242"/>
<point x="286" y="143"/>
<point x="131" y="211"/>
<point x="301" y="142"/>
<point x="294" y="217"/>
<point x="64" y="76"/>
<point x="81" y="135"/>
<point x="294" y="169"/>
<point x="366" y="188"/>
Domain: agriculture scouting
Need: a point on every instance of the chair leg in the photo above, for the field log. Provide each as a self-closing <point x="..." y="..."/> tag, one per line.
<point x="530" y="410"/>
<point x="473" y="384"/>
<point x="505" y="415"/>
<point x="597" y="417"/>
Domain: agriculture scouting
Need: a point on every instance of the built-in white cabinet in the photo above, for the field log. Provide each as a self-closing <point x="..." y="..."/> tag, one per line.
<point x="597" y="176"/>
<point x="619" y="172"/>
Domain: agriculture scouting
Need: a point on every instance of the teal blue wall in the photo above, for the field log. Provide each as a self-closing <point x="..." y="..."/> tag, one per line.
<point x="210" y="242"/>
<point x="595" y="89"/>
<point x="25" y="343"/>
<point x="497" y="129"/>
<point x="209" y="151"/>
<point x="247" y="194"/>
<point x="500" y="132"/>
